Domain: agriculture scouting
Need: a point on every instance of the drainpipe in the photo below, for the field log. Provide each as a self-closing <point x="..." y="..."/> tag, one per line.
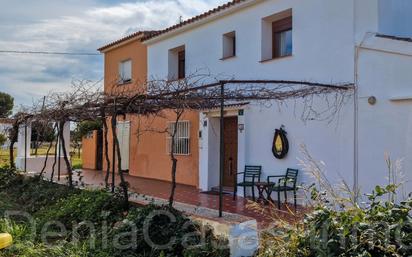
<point x="356" y="130"/>
<point x="356" y="188"/>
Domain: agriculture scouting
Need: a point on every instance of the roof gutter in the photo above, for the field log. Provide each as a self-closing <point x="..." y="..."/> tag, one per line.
<point x="120" y="43"/>
<point x="201" y="21"/>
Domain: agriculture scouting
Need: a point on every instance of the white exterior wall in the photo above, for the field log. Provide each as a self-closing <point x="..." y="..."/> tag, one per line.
<point x="325" y="33"/>
<point x="35" y="164"/>
<point x="323" y="51"/>
<point x="386" y="127"/>
<point x="322" y="33"/>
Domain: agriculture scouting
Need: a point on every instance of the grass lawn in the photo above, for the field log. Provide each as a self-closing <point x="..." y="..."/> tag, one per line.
<point x="4" y="157"/>
<point x="41" y="151"/>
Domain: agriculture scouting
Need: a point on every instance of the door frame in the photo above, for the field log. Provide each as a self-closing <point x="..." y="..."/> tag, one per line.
<point x="209" y="159"/>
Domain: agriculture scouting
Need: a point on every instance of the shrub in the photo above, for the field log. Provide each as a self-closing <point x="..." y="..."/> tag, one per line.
<point x="177" y="237"/>
<point x="71" y="207"/>
<point x="32" y="193"/>
<point x="91" y="206"/>
<point x="3" y="139"/>
<point x="339" y="226"/>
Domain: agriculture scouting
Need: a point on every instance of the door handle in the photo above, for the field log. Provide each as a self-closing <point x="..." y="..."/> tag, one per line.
<point x="230" y="166"/>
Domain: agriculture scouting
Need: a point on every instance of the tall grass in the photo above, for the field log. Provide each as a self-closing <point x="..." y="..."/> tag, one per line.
<point x="337" y="225"/>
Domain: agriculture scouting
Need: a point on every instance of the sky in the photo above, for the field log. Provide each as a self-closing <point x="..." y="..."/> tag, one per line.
<point x="79" y="26"/>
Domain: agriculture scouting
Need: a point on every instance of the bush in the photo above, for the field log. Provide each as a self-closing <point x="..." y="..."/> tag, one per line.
<point x="32" y="193"/>
<point x="86" y="206"/>
<point x="3" y="139"/>
<point x="116" y="232"/>
<point x="339" y="226"/>
<point x="177" y="237"/>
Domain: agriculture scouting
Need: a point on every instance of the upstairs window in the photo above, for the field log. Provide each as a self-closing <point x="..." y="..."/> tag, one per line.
<point x="177" y="63"/>
<point x="277" y="35"/>
<point x="181" y="64"/>
<point x="125" y="72"/>
<point x="282" y="38"/>
<point x="229" y="45"/>
<point x="182" y="138"/>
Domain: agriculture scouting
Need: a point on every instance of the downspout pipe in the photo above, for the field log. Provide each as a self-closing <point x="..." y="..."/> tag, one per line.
<point x="356" y="128"/>
<point x="356" y="188"/>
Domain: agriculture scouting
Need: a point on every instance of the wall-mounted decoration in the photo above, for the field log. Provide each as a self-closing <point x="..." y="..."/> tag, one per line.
<point x="372" y="100"/>
<point x="280" y="147"/>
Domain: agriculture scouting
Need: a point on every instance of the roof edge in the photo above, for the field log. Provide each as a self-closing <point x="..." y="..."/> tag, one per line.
<point x="135" y="36"/>
<point x="200" y="19"/>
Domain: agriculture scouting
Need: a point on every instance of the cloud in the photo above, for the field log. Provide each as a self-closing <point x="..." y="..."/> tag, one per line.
<point x="73" y="26"/>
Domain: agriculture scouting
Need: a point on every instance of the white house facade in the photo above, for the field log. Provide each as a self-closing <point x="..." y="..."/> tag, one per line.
<point x="325" y="41"/>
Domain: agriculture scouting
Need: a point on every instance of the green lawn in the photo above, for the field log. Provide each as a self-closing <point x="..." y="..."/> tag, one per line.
<point x="4" y="157"/>
<point x="5" y="160"/>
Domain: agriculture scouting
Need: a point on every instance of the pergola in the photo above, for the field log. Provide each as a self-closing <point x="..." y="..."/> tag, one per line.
<point x="192" y="93"/>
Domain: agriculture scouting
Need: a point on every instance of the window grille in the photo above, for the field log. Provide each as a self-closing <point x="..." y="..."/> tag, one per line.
<point x="182" y="138"/>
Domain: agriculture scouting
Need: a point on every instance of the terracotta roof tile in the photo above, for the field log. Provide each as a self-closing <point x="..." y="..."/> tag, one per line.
<point x="125" y="38"/>
<point x="194" y="19"/>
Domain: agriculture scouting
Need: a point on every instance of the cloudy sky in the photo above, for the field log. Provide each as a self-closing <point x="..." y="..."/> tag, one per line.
<point x="73" y="26"/>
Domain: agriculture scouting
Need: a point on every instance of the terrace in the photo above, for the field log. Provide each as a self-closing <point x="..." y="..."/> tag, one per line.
<point x="189" y="199"/>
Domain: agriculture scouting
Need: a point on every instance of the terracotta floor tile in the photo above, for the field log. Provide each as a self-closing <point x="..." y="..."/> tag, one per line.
<point x="189" y="195"/>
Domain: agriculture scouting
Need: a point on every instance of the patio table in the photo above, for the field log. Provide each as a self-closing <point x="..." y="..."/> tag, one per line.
<point x="264" y="187"/>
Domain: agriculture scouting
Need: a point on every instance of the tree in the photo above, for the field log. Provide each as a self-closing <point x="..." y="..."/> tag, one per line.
<point x="85" y="127"/>
<point x="6" y="105"/>
<point x="42" y="132"/>
<point x="3" y="139"/>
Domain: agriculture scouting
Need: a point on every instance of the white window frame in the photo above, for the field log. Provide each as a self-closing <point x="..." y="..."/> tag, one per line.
<point x="182" y="135"/>
<point x="229" y="45"/>
<point x="173" y="62"/>
<point x="267" y="34"/>
<point x="123" y="76"/>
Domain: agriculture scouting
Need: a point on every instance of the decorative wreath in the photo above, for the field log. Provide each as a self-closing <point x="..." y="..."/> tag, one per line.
<point x="280" y="147"/>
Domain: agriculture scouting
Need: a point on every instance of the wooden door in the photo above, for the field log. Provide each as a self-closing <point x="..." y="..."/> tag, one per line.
<point x="231" y="144"/>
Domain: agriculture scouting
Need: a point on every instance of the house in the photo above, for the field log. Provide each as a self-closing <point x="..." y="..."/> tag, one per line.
<point x="359" y="42"/>
<point x="144" y="141"/>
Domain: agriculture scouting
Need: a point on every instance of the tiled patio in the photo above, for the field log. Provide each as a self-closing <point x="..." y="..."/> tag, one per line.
<point x="189" y="195"/>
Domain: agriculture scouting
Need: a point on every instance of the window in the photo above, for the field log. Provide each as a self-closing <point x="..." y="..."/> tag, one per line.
<point x="125" y="71"/>
<point x="182" y="138"/>
<point x="229" y="45"/>
<point x="177" y="63"/>
<point x="277" y="35"/>
<point x="181" y="64"/>
<point x="282" y="38"/>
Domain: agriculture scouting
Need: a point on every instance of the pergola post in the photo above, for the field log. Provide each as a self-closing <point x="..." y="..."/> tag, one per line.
<point x="114" y="125"/>
<point x="23" y="146"/>
<point x="60" y="154"/>
<point x="222" y="147"/>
